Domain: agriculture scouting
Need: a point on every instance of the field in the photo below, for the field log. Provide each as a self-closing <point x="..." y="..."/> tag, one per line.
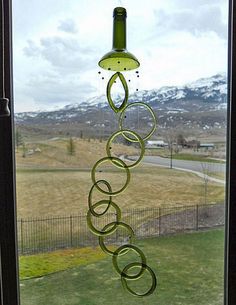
<point x="53" y="153"/>
<point x="65" y="192"/>
<point x="189" y="269"/>
<point x="50" y="182"/>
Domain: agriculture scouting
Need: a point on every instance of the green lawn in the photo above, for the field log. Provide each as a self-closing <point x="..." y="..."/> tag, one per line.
<point x="193" y="157"/>
<point x="189" y="269"/>
<point x="189" y="156"/>
<point x="38" y="265"/>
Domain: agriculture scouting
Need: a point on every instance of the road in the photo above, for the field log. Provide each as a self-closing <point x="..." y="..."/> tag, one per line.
<point x="197" y="166"/>
<point x="202" y="169"/>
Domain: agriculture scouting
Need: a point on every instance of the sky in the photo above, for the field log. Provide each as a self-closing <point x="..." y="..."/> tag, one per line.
<point x="57" y="45"/>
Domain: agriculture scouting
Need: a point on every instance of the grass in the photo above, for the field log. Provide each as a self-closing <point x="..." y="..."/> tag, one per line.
<point x="193" y="157"/>
<point x="218" y="175"/>
<point x="46" y="263"/>
<point x="189" y="268"/>
<point x="188" y="155"/>
<point x="47" y="193"/>
<point x="54" y="153"/>
<point x="52" y="183"/>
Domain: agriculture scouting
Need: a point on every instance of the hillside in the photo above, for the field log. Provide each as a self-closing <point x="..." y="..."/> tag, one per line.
<point x="199" y="107"/>
<point x="53" y="153"/>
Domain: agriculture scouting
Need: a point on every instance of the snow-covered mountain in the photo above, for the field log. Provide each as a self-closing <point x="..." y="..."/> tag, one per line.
<point x="202" y="102"/>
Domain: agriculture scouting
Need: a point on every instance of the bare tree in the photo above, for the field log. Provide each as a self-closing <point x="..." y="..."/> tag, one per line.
<point x="23" y="150"/>
<point x="205" y="169"/>
<point x="71" y="147"/>
<point x="18" y="139"/>
<point x="170" y="138"/>
<point x="81" y="134"/>
<point x="180" y="140"/>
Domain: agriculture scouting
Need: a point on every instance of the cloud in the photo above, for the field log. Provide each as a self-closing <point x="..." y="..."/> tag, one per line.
<point x="207" y="18"/>
<point x="31" y="50"/>
<point x="59" y="70"/>
<point x="49" y="89"/>
<point x="68" y="26"/>
<point x="65" y="54"/>
<point x="193" y="3"/>
<point x="181" y="41"/>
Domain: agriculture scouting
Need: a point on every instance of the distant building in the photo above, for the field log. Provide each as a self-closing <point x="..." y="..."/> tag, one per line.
<point x="193" y="144"/>
<point x="156" y="144"/>
<point x="207" y="146"/>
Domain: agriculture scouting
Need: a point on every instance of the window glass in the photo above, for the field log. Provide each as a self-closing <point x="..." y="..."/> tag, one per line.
<point x="174" y="201"/>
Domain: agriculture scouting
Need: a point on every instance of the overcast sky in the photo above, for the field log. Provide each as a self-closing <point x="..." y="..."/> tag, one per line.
<point x="58" y="43"/>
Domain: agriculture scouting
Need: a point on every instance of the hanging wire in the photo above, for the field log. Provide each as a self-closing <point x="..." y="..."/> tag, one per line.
<point x="138" y="86"/>
<point x="138" y="121"/>
<point x="101" y="111"/>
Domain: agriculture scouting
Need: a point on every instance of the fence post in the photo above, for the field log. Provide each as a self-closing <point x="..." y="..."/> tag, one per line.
<point x="197" y="217"/>
<point x="71" y="236"/>
<point x="21" y="236"/>
<point x="159" y="221"/>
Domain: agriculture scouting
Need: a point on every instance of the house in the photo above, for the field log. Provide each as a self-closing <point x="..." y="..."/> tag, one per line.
<point x="193" y="144"/>
<point x="207" y="146"/>
<point x="156" y="144"/>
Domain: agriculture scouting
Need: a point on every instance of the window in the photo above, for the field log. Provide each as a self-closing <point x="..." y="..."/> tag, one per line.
<point x="8" y="253"/>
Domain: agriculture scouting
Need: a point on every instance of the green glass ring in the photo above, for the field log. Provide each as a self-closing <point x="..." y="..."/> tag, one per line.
<point x="107" y="201"/>
<point x="122" y="116"/>
<point x="116" y="161"/>
<point x="124" y="280"/>
<point x="135" y="135"/>
<point x="125" y="86"/>
<point x="118" y="224"/>
<point x="114" y="224"/>
<point x="123" y="273"/>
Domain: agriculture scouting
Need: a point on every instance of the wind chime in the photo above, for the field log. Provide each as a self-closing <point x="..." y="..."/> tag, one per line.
<point x="119" y="59"/>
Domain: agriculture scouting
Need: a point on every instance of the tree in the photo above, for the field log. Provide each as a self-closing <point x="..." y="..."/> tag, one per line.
<point x="23" y="150"/>
<point x="181" y="140"/>
<point x="71" y="147"/>
<point x="18" y="139"/>
<point x="170" y="138"/>
<point x="81" y="134"/>
<point x="205" y="168"/>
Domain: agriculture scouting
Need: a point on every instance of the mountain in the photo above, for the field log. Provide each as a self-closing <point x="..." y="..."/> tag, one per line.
<point x="200" y="104"/>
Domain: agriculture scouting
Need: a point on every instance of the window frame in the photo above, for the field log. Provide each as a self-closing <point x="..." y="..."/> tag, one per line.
<point x="230" y="223"/>
<point x="9" y="279"/>
<point x="9" y="283"/>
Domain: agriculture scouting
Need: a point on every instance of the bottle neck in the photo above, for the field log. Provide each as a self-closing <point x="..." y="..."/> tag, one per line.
<point x="119" y="33"/>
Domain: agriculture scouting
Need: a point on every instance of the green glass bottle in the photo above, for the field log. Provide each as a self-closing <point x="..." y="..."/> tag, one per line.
<point x="119" y="29"/>
<point x="119" y="59"/>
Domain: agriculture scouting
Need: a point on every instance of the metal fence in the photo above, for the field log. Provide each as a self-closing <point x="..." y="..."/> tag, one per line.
<point x="48" y="234"/>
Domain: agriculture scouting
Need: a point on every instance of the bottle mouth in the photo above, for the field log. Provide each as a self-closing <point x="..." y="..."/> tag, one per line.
<point x="120" y="11"/>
